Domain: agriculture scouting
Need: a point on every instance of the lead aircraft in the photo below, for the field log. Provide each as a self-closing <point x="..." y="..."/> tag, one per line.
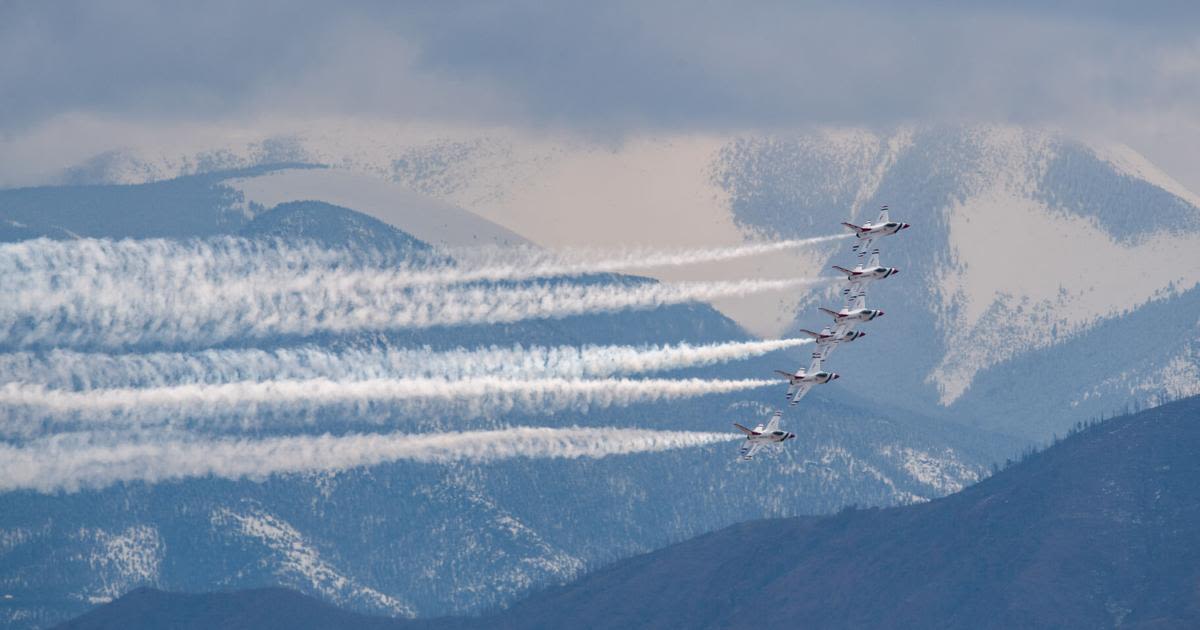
<point x="871" y="230"/>
<point x="761" y="436"/>
<point x="803" y="380"/>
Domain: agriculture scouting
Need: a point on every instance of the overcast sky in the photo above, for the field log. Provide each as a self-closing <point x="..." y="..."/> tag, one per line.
<point x="1125" y="71"/>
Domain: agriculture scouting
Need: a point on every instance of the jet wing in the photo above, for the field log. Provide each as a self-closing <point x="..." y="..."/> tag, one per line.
<point x="874" y="261"/>
<point x="745" y="430"/>
<point x="750" y="449"/>
<point x="815" y="335"/>
<point x="853" y="228"/>
<point x="774" y="423"/>
<point x="801" y="392"/>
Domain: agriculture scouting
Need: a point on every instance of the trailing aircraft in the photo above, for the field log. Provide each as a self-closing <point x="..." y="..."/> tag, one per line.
<point x="829" y="338"/>
<point x="801" y="382"/>
<point x="761" y="436"/>
<point x="855" y="309"/>
<point x="862" y="274"/>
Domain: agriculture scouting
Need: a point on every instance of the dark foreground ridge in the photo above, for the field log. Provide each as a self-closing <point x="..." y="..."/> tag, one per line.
<point x="251" y="609"/>
<point x="1101" y="530"/>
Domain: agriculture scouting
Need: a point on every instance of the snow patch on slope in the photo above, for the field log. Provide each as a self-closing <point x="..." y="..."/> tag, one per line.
<point x="1180" y="378"/>
<point x="12" y="538"/>
<point x="832" y="456"/>
<point x="517" y="556"/>
<point x="1177" y="377"/>
<point x="1128" y="161"/>
<point x="299" y="561"/>
<point x="891" y="148"/>
<point x="1025" y="277"/>
<point x="121" y="561"/>
<point x="944" y="473"/>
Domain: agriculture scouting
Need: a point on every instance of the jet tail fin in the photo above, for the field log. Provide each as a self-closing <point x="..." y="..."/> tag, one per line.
<point x="786" y="375"/>
<point x="743" y="429"/>
<point x="854" y="228"/>
<point x="843" y="270"/>
<point x="810" y="333"/>
<point x="829" y="312"/>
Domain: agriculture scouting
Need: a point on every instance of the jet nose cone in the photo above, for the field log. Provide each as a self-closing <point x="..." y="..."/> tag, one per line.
<point x="835" y="377"/>
<point x="895" y="270"/>
<point x="880" y="314"/>
<point x="905" y="226"/>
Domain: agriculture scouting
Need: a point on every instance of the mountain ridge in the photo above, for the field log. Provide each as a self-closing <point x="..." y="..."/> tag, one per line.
<point x="1001" y="553"/>
<point x="1094" y="531"/>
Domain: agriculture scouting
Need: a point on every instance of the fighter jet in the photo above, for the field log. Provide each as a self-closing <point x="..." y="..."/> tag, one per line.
<point x="804" y="380"/>
<point x="871" y="271"/>
<point x="869" y="231"/>
<point x="855" y="309"/>
<point x="761" y="436"/>
<point x="829" y="338"/>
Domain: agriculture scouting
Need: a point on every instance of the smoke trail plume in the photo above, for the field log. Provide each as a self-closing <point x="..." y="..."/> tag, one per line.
<point x="520" y="263"/>
<point x="113" y="311"/>
<point x="210" y="259"/>
<point x="69" y="370"/>
<point x="65" y="463"/>
<point x="158" y="404"/>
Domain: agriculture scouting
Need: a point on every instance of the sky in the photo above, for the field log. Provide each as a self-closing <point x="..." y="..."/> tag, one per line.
<point x="1126" y="72"/>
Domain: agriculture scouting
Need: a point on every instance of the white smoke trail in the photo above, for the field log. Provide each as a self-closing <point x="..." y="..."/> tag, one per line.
<point x="69" y="370"/>
<point x="211" y="259"/>
<point x="202" y="398"/>
<point x="520" y="263"/>
<point x="64" y="464"/>
<point x="112" y="311"/>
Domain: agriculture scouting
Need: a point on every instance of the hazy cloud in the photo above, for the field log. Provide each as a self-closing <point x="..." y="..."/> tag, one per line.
<point x="600" y="65"/>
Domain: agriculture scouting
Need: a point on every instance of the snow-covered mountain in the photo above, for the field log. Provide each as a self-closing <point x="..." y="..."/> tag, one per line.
<point x="1026" y="246"/>
<point x="1045" y="281"/>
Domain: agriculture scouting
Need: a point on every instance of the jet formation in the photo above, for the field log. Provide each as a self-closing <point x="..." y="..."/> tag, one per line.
<point x="842" y="330"/>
